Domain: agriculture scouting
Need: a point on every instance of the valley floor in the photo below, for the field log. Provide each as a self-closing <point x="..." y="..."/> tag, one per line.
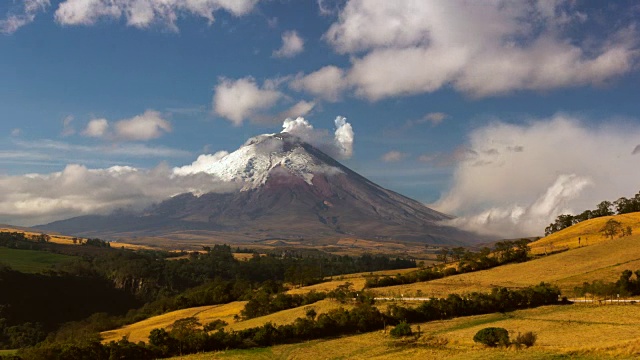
<point x="571" y="332"/>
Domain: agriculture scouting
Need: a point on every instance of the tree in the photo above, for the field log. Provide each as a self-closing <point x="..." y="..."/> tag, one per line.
<point x="611" y="228"/>
<point x="188" y="334"/>
<point x="443" y="255"/>
<point x="604" y="208"/>
<point x="492" y="337"/>
<point x="401" y="330"/>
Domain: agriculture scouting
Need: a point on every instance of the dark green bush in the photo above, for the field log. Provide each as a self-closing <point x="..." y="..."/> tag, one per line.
<point x="401" y="330"/>
<point x="492" y="337"/>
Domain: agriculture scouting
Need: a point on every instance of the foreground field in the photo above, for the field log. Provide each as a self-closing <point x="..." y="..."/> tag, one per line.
<point x="576" y="332"/>
<point x="31" y="261"/>
<point x="602" y="261"/>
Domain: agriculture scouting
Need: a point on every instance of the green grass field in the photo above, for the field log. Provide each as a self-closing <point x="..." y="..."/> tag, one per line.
<point x="8" y="352"/>
<point x="30" y="261"/>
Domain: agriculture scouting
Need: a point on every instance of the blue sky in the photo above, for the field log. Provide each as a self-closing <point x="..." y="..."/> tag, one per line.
<point x="427" y="86"/>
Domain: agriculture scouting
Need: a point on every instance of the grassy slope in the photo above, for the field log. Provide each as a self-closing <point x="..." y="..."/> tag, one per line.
<point x="604" y="260"/>
<point x="205" y="314"/>
<point x="577" y="332"/>
<point x="588" y="232"/>
<point x="31" y="261"/>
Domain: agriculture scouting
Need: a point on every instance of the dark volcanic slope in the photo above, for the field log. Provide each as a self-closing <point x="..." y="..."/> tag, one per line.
<point x="336" y="204"/>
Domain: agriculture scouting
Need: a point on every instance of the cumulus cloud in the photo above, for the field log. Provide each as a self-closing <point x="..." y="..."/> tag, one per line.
<point x="292" y="45"/>
<point x="516" y="179"/>
<point x="340" y="146"/>
<point x="147" y="126"/>
<point x="96" y="128"/>
<point x="393" y="156"/>
<point x="202" y="164"/>
<point x="77" y="190"/>
<point x="478" y="48"/>
<point x="326" y="83"/>
<point x="144" y="13"/>
<point x="24" y="16"/>
<point x="238" y="100"/>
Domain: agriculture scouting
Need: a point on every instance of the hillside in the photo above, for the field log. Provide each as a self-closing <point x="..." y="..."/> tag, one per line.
<point x="583" y="234"/>
<point x="576" y="332"/>
<point x="604" y="260"/>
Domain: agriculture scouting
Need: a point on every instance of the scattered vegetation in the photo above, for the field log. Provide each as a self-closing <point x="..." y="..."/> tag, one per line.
<point x="528" y="339"/>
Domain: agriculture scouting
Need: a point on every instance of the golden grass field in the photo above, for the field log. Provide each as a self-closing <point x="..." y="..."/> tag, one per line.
<point x="205" y="314"/>
<point x="356" y="280"/>
<point x="604" y="260"/>
<point x="588" y="232"/>
<point x="575" y="332"/>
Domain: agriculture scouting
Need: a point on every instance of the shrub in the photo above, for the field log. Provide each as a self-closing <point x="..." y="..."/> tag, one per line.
<point x="402" y="329"/>
<point x="527" y="339"/>
<point x="492" y="336"/>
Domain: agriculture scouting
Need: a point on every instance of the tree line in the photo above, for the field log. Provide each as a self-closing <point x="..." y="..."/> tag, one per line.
<point x="605" y="208"/>
<point x="188" y="336"/>
<point x="504" y="252"/>
<point x="626" y="285"/>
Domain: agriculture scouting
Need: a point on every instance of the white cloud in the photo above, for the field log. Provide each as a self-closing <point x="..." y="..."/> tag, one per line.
<point x="326" y="83"/>
<point x="242" y="99"/>
<point x="393" y="156"/>
<point x="202" y="164"/>
<point x="147" y="126"/>
<point x="479" y="48"/>
<point x="26" y="15"/>
<point x="144" y="13"/>
<point x="344" y="136"/>
<point x="340" y="146"/>
<point x="292" y="45"/>
<point x="16" y="132"/>
<point x="96" y="128"/>
<point x="301" y="108"/>
<point x="36" y="199"/>
<point x="434" y="118"/>
<point x="516" y="179"/>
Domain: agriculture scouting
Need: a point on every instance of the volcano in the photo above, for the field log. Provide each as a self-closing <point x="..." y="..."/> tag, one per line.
<point x="287" y="190"/>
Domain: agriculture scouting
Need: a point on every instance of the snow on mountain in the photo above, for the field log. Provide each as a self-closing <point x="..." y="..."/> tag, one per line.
<point x="253" y="163"/>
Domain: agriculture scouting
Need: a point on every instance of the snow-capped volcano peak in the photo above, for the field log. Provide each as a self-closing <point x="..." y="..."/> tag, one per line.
<point x="256" y="160"/>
